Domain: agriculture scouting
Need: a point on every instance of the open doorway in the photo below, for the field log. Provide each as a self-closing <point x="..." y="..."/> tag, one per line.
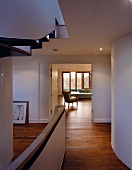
<point x="76" y="78"/>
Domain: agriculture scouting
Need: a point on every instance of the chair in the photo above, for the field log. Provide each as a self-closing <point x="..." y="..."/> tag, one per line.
<point x="69" y="99"/>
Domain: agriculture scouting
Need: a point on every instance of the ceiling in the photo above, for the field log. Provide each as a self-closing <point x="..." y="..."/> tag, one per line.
<point x="91" y="25"/>
<point x="74" y="67"/>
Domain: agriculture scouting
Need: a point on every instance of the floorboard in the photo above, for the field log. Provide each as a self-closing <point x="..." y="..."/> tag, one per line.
<point x="24" y="135"/>
<point x="88" y="145"/>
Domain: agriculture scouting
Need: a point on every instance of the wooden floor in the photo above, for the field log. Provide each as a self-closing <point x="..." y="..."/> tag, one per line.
<point x="88" y="145"/>
<point x="24" y="135"/>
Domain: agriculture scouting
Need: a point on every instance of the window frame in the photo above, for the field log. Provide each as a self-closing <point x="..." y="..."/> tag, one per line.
<point x="90" y="79"/>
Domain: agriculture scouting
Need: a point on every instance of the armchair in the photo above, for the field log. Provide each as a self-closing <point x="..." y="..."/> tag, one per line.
<point x="69" y="99"/>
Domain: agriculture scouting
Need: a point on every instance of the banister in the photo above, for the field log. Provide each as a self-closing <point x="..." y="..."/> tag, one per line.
<point x="32" y="152"/>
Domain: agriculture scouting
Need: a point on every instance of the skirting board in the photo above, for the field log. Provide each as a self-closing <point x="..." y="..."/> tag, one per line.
<point x="44" y="121"/>
<point x="38" y="121"/>
<point x="102" y="120"/>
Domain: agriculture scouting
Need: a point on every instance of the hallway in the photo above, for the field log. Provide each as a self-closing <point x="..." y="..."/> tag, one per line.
<point x="88" y="145"/>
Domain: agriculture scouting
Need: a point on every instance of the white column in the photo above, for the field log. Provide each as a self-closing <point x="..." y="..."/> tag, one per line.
<point x="101" y="89"/>
<point x="6" y="125"/>
<point x="44" y="98"/>
<point x="121" y="61"/>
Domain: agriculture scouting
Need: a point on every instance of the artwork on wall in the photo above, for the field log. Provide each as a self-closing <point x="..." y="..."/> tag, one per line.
<point x="20" y="112"/>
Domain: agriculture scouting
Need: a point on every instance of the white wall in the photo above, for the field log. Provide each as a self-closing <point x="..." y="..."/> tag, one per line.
<point x="6" y="118"/>
<point x="54" y="84"/>
<point x="101" y="89"/>
<point x="122" y="99"/>
<point x="44" y="93"/>
<point x="25" y="85"/>
<point x="101" y="64"/>
<point x="31" y="83"/>
<point x="59" y="82"/>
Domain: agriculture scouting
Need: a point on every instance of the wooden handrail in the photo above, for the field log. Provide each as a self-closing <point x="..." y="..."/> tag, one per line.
<point x="14" y="49"/>
<point x="33" y="151"/>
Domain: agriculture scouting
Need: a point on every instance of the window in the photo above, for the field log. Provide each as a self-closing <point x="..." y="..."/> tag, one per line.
<point x="86" y="80"/>
<point x="76" y="80"/>
<point x="66" y="81"/>
<point x="79" y="81"/>
<point x="73" y="78"/>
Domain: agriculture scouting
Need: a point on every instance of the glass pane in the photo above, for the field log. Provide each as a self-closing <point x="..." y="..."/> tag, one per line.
<point x="66" y="81"/>
<point x="73" y="86"/>
<point x="86" y="80"/>
<point x="79" y="81"/>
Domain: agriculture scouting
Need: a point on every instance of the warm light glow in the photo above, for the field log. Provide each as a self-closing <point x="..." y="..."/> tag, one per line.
<point x="101" y="49"/>
<point x="73" y="74"/>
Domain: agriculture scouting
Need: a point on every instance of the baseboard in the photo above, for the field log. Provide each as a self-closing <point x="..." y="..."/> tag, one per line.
<point x="44" y="121"/>
<point x="102" y="120"/>
<point x="38" y="121"/>
<point x="33" y="121"/>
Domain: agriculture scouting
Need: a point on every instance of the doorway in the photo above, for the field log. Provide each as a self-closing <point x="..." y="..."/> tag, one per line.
<point x="77" y="78"/>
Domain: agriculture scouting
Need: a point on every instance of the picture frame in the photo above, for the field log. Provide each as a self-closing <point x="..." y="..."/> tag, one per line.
<point x="20" y="112"/>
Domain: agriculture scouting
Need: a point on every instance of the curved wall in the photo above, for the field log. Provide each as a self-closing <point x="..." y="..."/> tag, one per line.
<point x="121" y="63"/>
<point x="6" y="124"/>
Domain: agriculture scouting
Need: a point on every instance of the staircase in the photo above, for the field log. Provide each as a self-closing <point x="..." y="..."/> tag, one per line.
<point x="26" y="25"/>
<point x="12" y="46"/>
<point x="23" y="47"/>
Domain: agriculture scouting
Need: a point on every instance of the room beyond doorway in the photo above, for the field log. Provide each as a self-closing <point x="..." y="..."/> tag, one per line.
<point x="77" y="78"/>
<point x="74" y="77"/>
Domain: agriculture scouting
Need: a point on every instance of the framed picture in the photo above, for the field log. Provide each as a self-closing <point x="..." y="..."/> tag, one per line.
<point x="20" y="112"/>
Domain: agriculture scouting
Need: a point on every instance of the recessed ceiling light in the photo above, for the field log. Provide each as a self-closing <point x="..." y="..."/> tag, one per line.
<point x="101" y="49"/>
<point x="55" y="49"/>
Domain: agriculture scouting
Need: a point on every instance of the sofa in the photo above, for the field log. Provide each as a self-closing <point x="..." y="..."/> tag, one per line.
<point x="82" y="93"/>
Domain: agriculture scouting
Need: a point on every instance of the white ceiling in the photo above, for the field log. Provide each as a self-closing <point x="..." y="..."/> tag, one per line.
<point x="74" y="67"/>
<point x="91" y="24"/>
